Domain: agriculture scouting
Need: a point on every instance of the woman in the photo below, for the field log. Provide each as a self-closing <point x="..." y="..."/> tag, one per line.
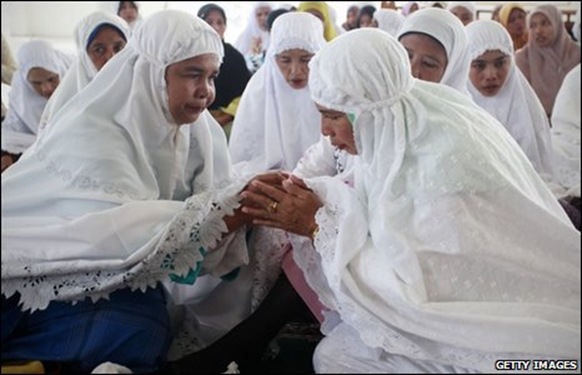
<point x="549" y="54"/>
<point x="366" y="16"/>
<point x="437" y="260"/>
<point x="98" y="37"/>
<point x="512" y="16"/>
<point x="253" y="41"/>
<point x="436" y="42"/>
<point x="129" y="12"/>
<point x="320" y="9"/>
<point x="499" y="87"/>
<point x="409" y="8"/>
<point x="41" y="68"/>
<point x="276" y="120"/>
<point x="234" y="75"/>
<point x="137" y="155"/>
<point x="465" y="11"/>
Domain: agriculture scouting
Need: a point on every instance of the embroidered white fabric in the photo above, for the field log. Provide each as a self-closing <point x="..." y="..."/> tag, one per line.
<point x="117" y="195"/>
<point x="441" y="251"/>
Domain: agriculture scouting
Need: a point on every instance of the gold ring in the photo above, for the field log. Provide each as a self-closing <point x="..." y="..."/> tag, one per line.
<point x="273" y="206"/>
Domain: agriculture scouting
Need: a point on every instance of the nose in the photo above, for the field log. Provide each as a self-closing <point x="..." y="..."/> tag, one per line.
<point x="490" y="73"/>
<point x="47" y="88"/>
<point x="326" y="130"/>
<point x="109" y="53"/>
<point x="204" y="89"/>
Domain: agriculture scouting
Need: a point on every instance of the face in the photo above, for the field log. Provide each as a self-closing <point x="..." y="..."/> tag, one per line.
<point x="366" y="21"/>
<point x="541" y="30"/>
<point x="352" y="17"/>
<point x="128" y="11"/>
<point x="516" y="22"/>
<point x="262" y="14"/>
<point x="463" y="14"/>
<point x="337" y="127"/>
<point x="294" y="65"/>
<point x="489" y="72"/>
<point x="428" y="59"/>
<point x="216" y="21"/>
<point x="43" y="81"/>
<point x="413" y="8"/>
<point x="191" y="87"/>
<point x="104" y="46"/>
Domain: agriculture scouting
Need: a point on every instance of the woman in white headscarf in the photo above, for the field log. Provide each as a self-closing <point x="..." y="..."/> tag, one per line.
<point x="40" y="70"/>
<point x="98" y="37"/>
<point x="465" y="11"/>
<point x="254" y="39"/>
<point x="389" y="20"/>
<point x="127" y="196"/>
<point x="497" y="85"/>
<point x="449" y="253"/>
<point x="276" y="119"/>
<point x="436" y="42"/>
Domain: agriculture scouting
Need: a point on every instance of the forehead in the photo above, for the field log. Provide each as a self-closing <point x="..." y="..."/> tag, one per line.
<point x="491" y="55"/>
<point x="38" y="74"/>
<point x="207" y="61"/>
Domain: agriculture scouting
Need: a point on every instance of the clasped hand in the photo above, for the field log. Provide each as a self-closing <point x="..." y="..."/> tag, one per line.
<point x="281" y="200"/>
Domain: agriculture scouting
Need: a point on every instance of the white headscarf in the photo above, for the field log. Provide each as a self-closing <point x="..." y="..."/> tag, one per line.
<point x="451" y="249"/>
<point x="253" y="30"/>
<point x="276" y="123"/>
<point x="97" y="203"/>
<point x="389" y="20"/>
<point x="450" y="32"/>
<point x="566" y="133"/>
<point x="20" y="127"/>
<point x="82" y="70"/>
<point x="516" y="105"/>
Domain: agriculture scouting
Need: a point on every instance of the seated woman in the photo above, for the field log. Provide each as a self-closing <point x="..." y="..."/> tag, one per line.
<point x="234" y="74"/>
<point x="98" y="37"/>
<point x="449" y="252"/>
<point x="129" y="194"/>
<point x="549" y="54"/>
<point x="41" y="68"/>
<point x="512" y="16"/>
<point x="436" y="42"/>
<point x="129" y="12"/>
<point x="253" y="41"/>
<point x="465" y="11"/>
<point x="499" y="87"/>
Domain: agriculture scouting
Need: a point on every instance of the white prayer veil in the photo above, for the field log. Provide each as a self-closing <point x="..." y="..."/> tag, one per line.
<point x="516" y="105"/>
<point x="20" y="127"/>
<point x="566" y="133"/>
<point x="276" y="123"/>
<point x="97" y="203"/>
<point x="245" y="40"/>
<point x="450" y="248"/>
<point x="443" y="26"/>
<point x="389" y="20"/>
<point x="82" y="70"/>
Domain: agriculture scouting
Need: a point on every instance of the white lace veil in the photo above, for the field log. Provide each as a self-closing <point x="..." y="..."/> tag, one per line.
<point x="276" y="123"/>
<point x="516" y="105"/>
<point x="97" y="204"/>
<point x="450" y="248"/>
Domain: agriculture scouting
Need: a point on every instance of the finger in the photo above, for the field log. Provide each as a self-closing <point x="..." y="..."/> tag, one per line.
<point x="249" y="198"/>
<point x="295" y="189"/>
<point x="273" y="178"/>
<point x="268" y="190"/>
<point x="257" y="213"/>
<point x="298" y="181"/>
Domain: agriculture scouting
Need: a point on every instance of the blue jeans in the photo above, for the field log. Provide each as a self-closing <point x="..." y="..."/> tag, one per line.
<point x="131" y="329"/>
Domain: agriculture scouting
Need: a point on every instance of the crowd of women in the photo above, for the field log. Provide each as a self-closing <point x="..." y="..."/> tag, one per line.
<point x="409" y="181"/>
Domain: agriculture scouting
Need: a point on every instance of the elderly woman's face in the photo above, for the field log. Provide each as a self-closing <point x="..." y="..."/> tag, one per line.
<point x="191" y="86"/>
<point x="428" y="58"/>
<point x="337" y="126"/>
<point x="105" y="45"/>
<point x="294" y="65"/>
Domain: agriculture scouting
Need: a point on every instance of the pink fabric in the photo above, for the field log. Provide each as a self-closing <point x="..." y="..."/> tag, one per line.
<point x="296" y="278"/>
<point x="545" y="68"/>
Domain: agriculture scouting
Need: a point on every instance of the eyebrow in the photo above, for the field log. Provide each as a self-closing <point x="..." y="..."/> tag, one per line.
<point x="195" y="69"/>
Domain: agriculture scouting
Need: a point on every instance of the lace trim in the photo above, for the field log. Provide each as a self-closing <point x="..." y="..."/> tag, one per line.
<point x="199" y="226"/>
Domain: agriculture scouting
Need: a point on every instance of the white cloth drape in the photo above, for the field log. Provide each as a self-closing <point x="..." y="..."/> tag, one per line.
<point x="450" y="32"/>
<point x="252" y="31"/>
<point x="82" y="70"/>
<point x="276" y="123"/>
<point x="450" y="248"/>
<point x="566" y="133"/>
<point x="389" y="20"/>
<point x="20" y="127"/>
<point x="516" y="105"/>
<point x="116" y="195"/>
